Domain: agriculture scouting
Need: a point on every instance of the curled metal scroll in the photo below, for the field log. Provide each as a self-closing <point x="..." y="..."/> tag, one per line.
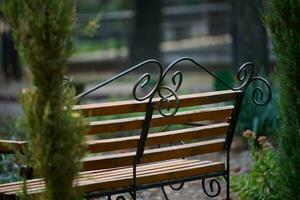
<point x="258" y="93"/>
<point x="180" y="186"/>
<point x="141" y="82"/>
<point x="120" y="197"/>
<point x="245" y="75"/>
<point x="175" y="81"/>
<point x="165" y="98"/>
<point x="214" y="187"/>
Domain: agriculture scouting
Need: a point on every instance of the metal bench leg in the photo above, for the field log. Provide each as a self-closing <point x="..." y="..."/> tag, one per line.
<point x="164" y="192"/>
<point x="227" y="178"/>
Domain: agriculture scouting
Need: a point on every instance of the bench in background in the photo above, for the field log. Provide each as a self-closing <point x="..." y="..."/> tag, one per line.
<point x="155" y="140"/>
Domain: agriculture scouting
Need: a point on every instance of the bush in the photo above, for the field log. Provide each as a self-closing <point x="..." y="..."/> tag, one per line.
<point x="263" y="182"/>
<point x="42" y="30"/>
<point x="283" y="19"/>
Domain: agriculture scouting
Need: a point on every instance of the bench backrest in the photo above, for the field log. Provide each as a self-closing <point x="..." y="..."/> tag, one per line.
<point x="126" y="133"/>
<point x="118" y="139"/>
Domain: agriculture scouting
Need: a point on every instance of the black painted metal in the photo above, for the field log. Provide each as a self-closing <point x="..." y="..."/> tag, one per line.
<point x="245" y="76"/>
<point x="164" y="192"/>
<point x="145" y="77"/>
<point x="212" y="191"/>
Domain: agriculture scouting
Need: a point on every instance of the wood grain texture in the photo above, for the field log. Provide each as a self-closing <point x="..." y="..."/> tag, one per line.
<point x="133" y="123"/>
<point x="158" y="138"/>
<point x="122" y="177"/>
<point x="121" y="107"/>
<point x="153" y="155"/>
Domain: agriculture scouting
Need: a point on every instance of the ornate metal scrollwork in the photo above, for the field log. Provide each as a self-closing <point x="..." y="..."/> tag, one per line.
<point x="120" y="197"/>
<point x="142" y="81"/>
<point x="180" y="186"/>
<point x="245" y="75"/>
<point x="214" y="187"/>
<point x="165" y="99"/>
<point x="177" y="78"/>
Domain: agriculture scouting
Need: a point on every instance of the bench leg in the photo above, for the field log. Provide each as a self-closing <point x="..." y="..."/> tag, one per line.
<point x="227" y="178"/>
<point x="164" y="193"/>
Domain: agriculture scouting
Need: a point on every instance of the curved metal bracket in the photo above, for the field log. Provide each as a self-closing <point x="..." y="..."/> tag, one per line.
<point x="245" y="75"/>
<point x="214" y="187"/>
<point x="180" y="186"/>
<point x="141" y="82"/>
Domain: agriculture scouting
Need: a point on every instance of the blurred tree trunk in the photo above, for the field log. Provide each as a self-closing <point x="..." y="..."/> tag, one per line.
<point x="145" y="40"/>
<point x="249" y="34"/>
<point x="217" y="20"/>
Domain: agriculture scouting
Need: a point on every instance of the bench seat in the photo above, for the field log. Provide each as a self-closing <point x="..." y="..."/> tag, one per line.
<point x="121" y="177"/>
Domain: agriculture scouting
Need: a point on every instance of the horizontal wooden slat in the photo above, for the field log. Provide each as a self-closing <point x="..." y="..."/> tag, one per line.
<point x="140" y="106"/>
<point x="148" y="174"/>
<point x="158" y="138"/>
<point x="95" y="174"/>
<point x="171" y="174"/>
<point x="153" y="155"/>
<point x="10" y="146"/>
<point x="154" y="176"/>
<point x="133" y="123"/>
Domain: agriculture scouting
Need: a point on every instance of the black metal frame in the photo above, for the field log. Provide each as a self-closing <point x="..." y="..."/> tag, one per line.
<point x="245" y="75"/>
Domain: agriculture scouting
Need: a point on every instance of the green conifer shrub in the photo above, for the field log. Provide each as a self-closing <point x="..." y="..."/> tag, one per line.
<point x="42" y="30"/>
<point x="283" y="19"/>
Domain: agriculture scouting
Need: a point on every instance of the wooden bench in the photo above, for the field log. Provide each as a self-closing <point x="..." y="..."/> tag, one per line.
<point x="135" y="145"/>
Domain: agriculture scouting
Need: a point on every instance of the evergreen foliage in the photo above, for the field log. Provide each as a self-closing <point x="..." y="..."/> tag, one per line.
<point x="283" y="19"/>
<point x="42" y="30"/>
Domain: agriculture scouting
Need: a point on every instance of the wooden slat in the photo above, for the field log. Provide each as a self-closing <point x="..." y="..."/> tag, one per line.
<point x="154" y="176"/>
<point x="10" y="146"/>
<point x="153" y="155"/>
<point x="158" y="138"/>
<point x="134" y="123"/>
<point x="96" y="174"/>
<point x="140" y="106"/>
<point x="148" y="174"/>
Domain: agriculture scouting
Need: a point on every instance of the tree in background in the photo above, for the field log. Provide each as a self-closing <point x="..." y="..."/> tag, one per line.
<point x="283" y="19"/>
<point x="146" y="36"/>
<point x="42" y="30"/>
<point x="249" y="34"/>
